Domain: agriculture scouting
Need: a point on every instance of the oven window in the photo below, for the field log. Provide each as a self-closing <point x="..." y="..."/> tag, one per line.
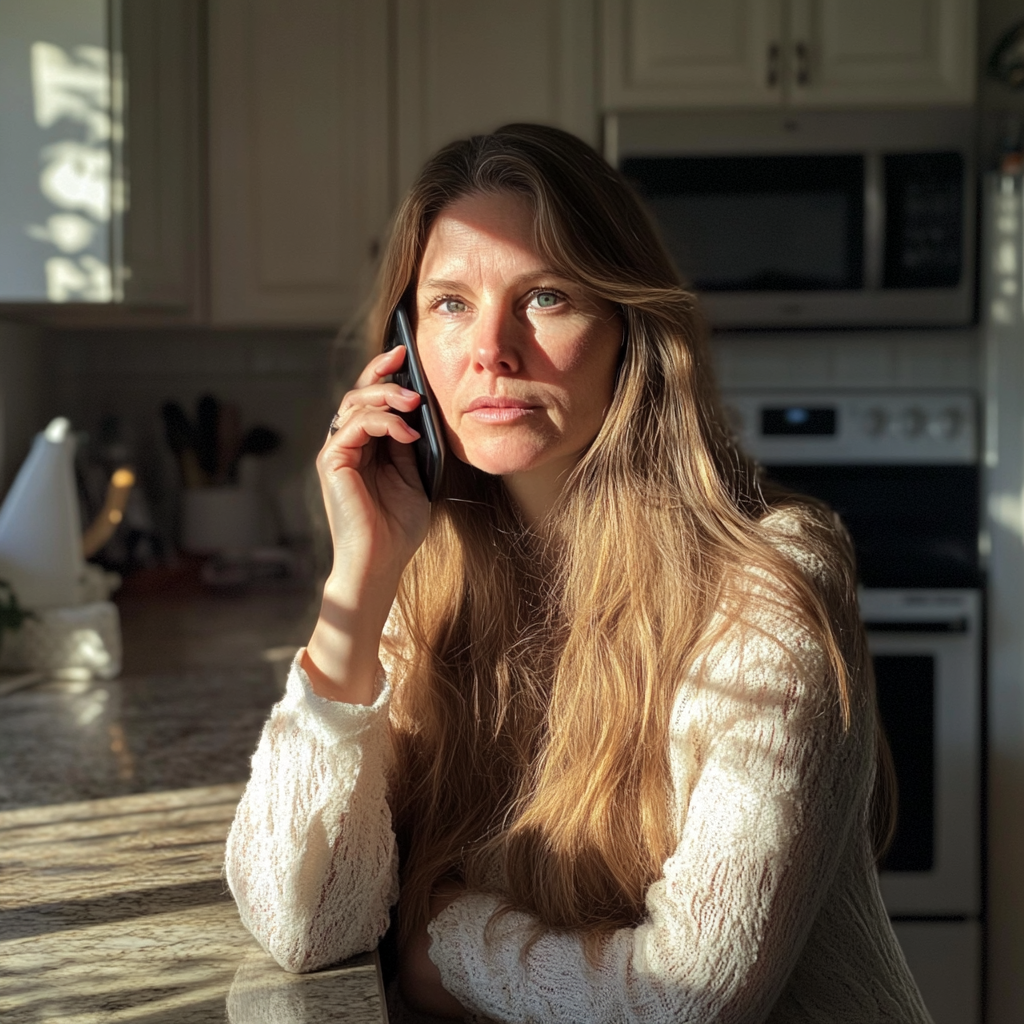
<point x="786" y="223"/>
<point x="901" y="541"/>
<point x="906" y="700"/>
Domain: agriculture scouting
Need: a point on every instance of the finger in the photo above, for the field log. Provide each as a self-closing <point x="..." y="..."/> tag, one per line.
<point x="358" y="431"/>
<point x="380" y="396"/>
<point x="376" y="396"/>
<point x="381" y="366"/>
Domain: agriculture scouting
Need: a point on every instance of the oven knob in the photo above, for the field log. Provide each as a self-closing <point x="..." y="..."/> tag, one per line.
<point x="913" y="421"/>
<point x="947" y="424"/>
<point x="876" y="421"/>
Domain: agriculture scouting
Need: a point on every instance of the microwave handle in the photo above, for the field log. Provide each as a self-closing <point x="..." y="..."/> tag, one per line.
<point x="874" y="220"/>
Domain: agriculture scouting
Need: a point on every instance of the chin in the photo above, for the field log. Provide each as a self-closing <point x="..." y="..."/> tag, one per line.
<point x="500" y="459"/>
<point x="498" y="466"/>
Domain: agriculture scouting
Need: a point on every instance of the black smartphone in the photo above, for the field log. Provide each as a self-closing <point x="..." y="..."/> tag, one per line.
<point x="429" y="447"/>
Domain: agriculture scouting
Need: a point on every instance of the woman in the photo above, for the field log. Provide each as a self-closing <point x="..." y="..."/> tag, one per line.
<point x="621" y="764"/>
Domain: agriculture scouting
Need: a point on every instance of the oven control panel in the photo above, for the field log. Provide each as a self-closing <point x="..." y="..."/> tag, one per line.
<point x="880" y="427"/>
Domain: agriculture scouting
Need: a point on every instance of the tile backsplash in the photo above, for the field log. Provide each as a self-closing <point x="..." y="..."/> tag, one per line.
<point x="284" y="380"/>
<point x="849" y="359"/>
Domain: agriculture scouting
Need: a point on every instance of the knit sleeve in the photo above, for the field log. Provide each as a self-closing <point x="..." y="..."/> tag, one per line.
<point x="311" y="857"/>
<point x="767" y="786"/>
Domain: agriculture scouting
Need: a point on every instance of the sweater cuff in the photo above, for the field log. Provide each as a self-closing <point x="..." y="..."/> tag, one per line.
<point x="484" y="972"/>
<point x="334" y="719"/>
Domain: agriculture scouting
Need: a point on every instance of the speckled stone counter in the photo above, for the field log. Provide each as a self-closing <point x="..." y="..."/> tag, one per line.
<point x="115" y="800"/>
<point x="199" y="679"/>
<point x="115" y="910"/>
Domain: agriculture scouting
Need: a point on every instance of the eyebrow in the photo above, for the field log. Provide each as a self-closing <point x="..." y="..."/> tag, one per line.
<point x="440" y="282"/>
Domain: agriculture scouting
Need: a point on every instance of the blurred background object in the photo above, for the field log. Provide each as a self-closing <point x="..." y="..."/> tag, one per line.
<point x="73" y="629"/>
<point x="1007" y="61"/>
<point x="120" y="533"/>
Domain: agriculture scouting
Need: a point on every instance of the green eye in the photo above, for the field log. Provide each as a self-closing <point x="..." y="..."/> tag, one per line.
<point x="546" y="299"/>
<point x="454" y="306"/>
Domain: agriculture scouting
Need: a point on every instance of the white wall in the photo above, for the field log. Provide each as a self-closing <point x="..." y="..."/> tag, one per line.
<point x="22" y="358"/>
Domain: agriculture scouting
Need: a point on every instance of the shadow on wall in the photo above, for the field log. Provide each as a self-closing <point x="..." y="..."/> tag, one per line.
<point x="22" y="413"/>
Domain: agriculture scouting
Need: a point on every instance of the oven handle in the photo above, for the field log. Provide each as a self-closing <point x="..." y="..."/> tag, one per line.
<point x="960" y="625"/>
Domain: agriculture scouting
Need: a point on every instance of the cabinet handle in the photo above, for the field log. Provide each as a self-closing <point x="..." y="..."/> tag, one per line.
<point x="773" y="65"/>
<point x="803" y="64"/>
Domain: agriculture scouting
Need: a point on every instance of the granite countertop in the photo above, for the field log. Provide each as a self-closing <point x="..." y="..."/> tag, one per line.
<point x="115" y="800"/>
<point x="197" y="683"/>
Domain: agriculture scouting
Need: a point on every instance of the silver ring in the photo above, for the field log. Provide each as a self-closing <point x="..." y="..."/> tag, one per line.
<point x="333" y="428"/>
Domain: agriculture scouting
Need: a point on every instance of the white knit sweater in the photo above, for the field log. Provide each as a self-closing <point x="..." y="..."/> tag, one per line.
<point x="768" y="910"/>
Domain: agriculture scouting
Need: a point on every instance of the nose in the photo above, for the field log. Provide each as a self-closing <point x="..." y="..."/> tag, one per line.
<point x="497" y="342"/>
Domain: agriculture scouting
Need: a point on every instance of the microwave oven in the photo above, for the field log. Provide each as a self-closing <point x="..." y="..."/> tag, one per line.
<point x="811" y="219"/>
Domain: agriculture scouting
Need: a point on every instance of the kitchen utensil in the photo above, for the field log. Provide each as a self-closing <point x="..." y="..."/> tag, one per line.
<point x="229" y="442"/>
<point x="207" y="420"/>
<point x="181" y="439"/>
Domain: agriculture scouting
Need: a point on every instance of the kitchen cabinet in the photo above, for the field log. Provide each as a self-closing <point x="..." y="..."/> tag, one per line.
<point x="855" y="52"/>
<point x="804" y="53"/>
<point x="670" y="53"/>
<point x="465" y="67"/>
<point x="298" y="158"/>
<point x="323" y="111"/>
<point x="99" y="121"/>
<point x="162" y="227"/>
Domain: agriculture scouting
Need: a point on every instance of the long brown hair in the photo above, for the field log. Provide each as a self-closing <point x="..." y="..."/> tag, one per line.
<point x="536" y="669"/>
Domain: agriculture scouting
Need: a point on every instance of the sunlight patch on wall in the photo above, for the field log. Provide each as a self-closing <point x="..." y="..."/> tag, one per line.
<point x="60" y="136"/>
<point x="1004" y="308"/>
<point x="76" y="175"/>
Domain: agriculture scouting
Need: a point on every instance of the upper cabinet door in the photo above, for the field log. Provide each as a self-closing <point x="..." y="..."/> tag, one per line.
<point x="882" y="52"/>
<point x="162" y="229"/>
<point x="466" y="67"/>
<point x="670" y="53"/>
<point x="298" y="157"/>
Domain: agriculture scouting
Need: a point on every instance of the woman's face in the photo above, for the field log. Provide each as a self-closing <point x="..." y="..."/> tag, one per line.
<point x="520" y="359"/>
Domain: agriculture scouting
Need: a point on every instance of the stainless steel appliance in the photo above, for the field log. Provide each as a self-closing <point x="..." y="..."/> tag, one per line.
<point x="902" y="469"/>
<point x="811" y="219"/>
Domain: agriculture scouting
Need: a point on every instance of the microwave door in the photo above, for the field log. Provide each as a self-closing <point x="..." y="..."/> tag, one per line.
<point x="877" y="238"/>
<point x="784" y="224"/>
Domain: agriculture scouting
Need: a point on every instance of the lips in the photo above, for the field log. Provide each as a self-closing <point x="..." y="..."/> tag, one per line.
<point x="497" y="409"/>
<point x="498" y="402"/>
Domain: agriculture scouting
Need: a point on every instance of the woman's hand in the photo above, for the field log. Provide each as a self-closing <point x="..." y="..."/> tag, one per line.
<point x="418" y="977"/>
<point x="378" y="515"/>
<point x="376" y="506"/>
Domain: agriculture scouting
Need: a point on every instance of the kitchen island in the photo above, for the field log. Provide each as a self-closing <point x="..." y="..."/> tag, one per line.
<point x="115" y="800"/>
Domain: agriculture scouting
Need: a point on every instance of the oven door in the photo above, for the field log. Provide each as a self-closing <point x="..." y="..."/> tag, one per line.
<point x="926" y="649"/>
